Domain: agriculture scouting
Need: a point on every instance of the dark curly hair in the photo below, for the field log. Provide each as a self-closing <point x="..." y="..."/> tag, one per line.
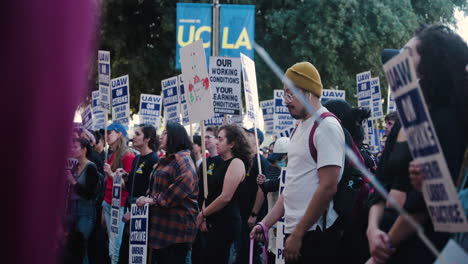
<point x="241" y="149"/>
<point x="444" y="56"/>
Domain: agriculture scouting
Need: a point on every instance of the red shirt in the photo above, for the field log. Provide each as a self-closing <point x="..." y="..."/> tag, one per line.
<point x="127" y="161"/>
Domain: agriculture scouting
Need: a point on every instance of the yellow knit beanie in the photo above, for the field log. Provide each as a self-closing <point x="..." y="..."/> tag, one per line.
<point x="304" y="75"/>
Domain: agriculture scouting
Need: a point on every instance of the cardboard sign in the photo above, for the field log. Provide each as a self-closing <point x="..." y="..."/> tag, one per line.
<point x="250" y="89"/>
<point x="268" y="106"/>
<point x="138" y="234"/>
<point x="282" y="119"/>
<point x="87" y="118"/>
<point x="376" y="108"/>
<point x="439" y="192"/>
<point x="195" y="75"/>
<point x="99" y="118"/>
<point x="183" y="102"/>
<point x="104" y="79"/>
<point x="115" y="207"/>
<point x="364" y="93"/>
<point x="170" y="91"/>
<point x="225" y="80"/>
<point x="329" y="94"/>
<point x="121" y="100"/>
<point x="280" y="224"/>
<point x="150" y="109"/>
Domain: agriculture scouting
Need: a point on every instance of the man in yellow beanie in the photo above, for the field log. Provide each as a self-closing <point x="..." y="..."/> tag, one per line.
<point x="311" y="182"/>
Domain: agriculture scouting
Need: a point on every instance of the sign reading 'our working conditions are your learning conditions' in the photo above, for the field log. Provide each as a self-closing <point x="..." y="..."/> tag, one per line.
<point x="442" y="201"/>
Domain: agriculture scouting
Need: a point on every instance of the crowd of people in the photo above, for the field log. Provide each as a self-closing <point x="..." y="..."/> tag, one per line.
<point x="242" y="201"/>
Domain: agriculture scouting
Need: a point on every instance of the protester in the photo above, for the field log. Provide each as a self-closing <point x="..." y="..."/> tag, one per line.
<point x="172" y="198"/>
<point x="222" y="210"/>
<point x="270" y="182"/>
<point x="306" y="201"/>
<point x="137" y="182"/>
<point x="440" y="57"/>
<point x="121" y="157"/>
<point x="83" y="197"/>
<point x="390" y="120"/>
<point x="197" y="150"/>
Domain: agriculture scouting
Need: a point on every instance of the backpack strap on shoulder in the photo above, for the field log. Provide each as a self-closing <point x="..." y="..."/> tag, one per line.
<point x="313" y="150"/>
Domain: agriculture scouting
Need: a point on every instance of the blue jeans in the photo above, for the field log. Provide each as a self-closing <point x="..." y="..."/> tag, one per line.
<point x="84" y="214"/>
<point x="114" y="244"/>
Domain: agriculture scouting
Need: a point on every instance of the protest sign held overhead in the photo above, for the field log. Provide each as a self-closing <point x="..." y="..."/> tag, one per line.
<point x="267" y="110"/>
<point x="87" y="118"/>
<point x="138" y="249"/>
<point x="196" y="81"/>
<point x="438" y="189"/>
<point x="282" y="119"/>
<point x="364" y="94"/>
<point x="150" y="109"/>
<point x="104" y="79"/>
<point x="376" y="105"/>
<point x="121" y="100"/>
<point x="225" y="80"/>
<point x="99" y="118"/>
<point x="170" y="91"/>
<point x="183" y="102"/>
<point x="250" y="89"/>
<point x="329" y="94"/>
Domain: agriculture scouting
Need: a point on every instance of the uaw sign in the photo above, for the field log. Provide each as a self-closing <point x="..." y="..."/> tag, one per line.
<point x="121" y="100"/>
<point x="138" y="234"/>
<point x="282" y="119"/>
<point x="225" y="79"/>
<point x="104" y="78"/>
<point x="364" y="93"/>
<point x="267" y="109"/>
<point x="329" y="94"/>
<point x="150" y="109"/>
<point x="183" y="102"/>
<point x="171" y="100"/>
<point x="438" y="190"/>
<point x="87" y="118"/>
<point x="376" y="107"/>
<point x="99" y="118"/>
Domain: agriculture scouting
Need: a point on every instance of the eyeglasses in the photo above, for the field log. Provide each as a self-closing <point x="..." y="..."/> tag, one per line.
<point x="288" y="97"/>
<point x="208" y="137"/>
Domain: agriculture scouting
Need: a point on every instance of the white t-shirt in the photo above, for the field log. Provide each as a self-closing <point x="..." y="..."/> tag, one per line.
<point x="302" y="172"/>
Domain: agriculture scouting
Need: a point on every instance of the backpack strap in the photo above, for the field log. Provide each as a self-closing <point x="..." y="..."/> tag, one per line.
<point x="313" y="150"/>
<point x="294" y="131"/>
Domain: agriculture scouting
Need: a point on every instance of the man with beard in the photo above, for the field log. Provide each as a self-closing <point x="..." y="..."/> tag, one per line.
<point x="307" y="200"/>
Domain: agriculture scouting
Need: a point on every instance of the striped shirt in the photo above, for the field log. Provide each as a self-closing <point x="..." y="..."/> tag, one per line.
<point x="174" y="188"/>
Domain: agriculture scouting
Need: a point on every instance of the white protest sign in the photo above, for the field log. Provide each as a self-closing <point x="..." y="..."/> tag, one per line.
<point x="282" y="119"/>
<point x="268" y="107"/>
<point x="183" y="102"/>
<point x="115" y="207"/>
<point x="250" y="89"/>
<point x="225" y="80"/>
<point x="391" y="106"/>
<point x="329" y="94"/>
<point x="376" y="107"/>
<point x="236" y="119"/>
<point x="438" y="190"/>
<point x="104" y="78"/>
<point x="150" y="109"/>
<point x="87" y="118"/>
<point x="364" y="94"/>
<point x="195" y="75"/>
<point x="279" y="259"/>
<point x="121" y="100"/>
<point x="99" y="118"/>
<point x="170" y="93"/>
<point x="216" y="120"/>
<point x="369" y="134"/>
<point x="286" y="133"/>
<point x="138" y="249"/>
<point x="452" y="254"/>
<point x="71" y="164"/>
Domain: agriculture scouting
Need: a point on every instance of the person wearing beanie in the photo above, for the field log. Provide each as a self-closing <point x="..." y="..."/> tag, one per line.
<point x="307" y="200"/>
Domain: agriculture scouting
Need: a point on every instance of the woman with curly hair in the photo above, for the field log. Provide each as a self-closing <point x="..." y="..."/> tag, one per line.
<point x="440" y="57"/>
<point x="221" y="216"/>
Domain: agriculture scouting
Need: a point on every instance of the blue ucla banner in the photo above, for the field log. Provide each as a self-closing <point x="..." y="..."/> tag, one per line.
<point x="193" y="22"/>
<point x="237" y="30"/>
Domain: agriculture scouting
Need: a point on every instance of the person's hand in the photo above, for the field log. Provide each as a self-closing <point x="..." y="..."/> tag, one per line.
<point x="379" y="245"/>
<point x="200" y="219"/>
<point x="251" y="221"/>
<point x="70" y="177"/>
<point x="257" y="233"/>
<point x="415" y="174"/>
<point x="126" y="217"/>
<point x="292" y="248"/>
<point x="261" y="179"/>
<point x="108" y="170"/>
<point x="142" y="200"/>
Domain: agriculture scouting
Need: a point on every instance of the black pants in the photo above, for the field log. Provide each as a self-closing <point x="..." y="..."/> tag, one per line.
<point x="219" y="239"/>
<point x="319" y="247"/>
<point x="173" y="254"/>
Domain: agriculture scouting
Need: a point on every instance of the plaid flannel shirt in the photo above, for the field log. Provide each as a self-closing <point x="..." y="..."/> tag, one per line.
<point x="175" y="191"/>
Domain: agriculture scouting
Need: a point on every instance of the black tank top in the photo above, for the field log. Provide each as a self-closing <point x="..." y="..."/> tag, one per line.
<point x="215" y="187"/>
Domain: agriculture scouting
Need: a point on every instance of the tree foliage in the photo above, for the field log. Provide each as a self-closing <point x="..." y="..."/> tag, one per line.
<point x="340" y="37"/>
